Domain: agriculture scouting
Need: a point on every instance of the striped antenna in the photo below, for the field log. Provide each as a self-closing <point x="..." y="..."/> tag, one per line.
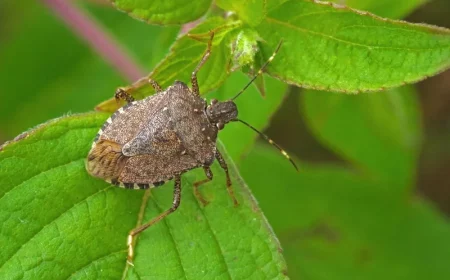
<point x="260" y="70"/>
<point x="283" y="152"/>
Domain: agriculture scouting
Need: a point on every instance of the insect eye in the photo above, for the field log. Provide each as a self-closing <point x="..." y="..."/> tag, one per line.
<point x="213" y="101"/>
<point x="220" y="125"/>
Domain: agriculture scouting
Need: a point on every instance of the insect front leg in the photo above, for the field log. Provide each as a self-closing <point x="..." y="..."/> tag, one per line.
<point x="124" y="93"/>
<point x="224" y="166"/>
<point x="194" y="82"/>
<point x="154" y="85"/>
<point x="197" y="184"/>
<point x="136" y="231"/>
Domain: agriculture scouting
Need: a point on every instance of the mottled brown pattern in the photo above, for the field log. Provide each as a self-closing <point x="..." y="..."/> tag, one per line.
<point x="189" y="119"/>
<point x="161" y="136"/>
<point x="126" y="125"/>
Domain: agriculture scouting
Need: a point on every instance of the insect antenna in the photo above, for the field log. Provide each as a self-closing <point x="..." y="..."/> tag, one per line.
<point x="260" y="70"/>
<point x="283" y="152"/>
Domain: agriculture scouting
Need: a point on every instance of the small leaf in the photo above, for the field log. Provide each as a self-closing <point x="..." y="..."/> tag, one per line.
<point x="244" y="47"/>
<point x="164" y="12"/>
<point x="331" y="47"/>
<point x="184" y="56"/>
<point x="334" y="224"/>
<point x="379" y="133"/>
<point x="58" y="222"/>
<point x="251" y="12"/>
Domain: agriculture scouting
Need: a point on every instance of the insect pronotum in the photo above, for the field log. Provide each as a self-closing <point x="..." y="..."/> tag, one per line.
<point x="151" y="141"/>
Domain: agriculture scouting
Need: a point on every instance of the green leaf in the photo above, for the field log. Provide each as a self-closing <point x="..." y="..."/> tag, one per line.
<point x="379" y="133"/>
<point x="251" y="12"/>
<point x="334" y="224"/>
<point x="58" y="222"/>
<point x="184" y="56"/>
<point x="331" y="47"/>
<point x="164" y="12"/>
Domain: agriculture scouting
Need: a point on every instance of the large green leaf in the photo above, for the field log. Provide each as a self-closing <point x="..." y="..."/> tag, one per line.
<point x="58" y="222"/>
<point x="162" y="11"/>
<point x="334" y="224"/>
<point x="378" y="132"/>
<point x="331" y="47"/>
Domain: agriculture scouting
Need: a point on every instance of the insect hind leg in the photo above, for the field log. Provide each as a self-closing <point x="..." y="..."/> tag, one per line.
<point x="197" y="184"/>
<point x="205" y="57"/>
<point x="136" y="231"/>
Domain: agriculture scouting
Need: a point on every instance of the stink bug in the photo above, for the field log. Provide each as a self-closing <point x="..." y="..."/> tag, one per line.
<point x="149" y="142"/>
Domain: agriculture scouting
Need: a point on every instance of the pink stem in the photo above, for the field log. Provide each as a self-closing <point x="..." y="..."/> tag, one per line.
<point x="102" y="42"/>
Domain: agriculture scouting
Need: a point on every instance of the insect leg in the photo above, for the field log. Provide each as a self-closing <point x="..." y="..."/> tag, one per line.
<point x="122" y="94"/>
<point x="136" y="231"/>
<point x="155" y="85"/>
<point x="194" y="82"/>
<point x="197" y="184"/>
<point x="224" y="166"/>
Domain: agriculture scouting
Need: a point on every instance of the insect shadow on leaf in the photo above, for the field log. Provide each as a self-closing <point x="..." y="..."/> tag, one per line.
<point x="151" y="141"/>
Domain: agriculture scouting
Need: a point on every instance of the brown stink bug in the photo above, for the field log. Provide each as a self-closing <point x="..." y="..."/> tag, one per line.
<point x="151" y="141"/>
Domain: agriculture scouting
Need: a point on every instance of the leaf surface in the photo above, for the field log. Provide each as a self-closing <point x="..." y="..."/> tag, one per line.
<point x="331" y="47"/>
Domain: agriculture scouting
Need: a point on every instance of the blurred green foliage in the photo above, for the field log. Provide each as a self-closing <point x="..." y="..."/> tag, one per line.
<point x="335" y="223"/>
<point x="361" y="220"/>
<point x="47" y="71"/>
